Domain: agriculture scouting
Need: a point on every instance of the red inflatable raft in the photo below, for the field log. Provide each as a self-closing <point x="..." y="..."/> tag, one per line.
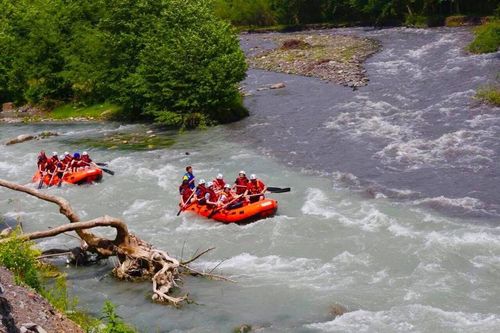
<point x="248" y="212"/>
<point x="78" y="177"/>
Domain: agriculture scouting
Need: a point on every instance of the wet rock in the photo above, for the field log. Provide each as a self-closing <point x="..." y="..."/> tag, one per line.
<point x="277" y="85"/>
<point x="32" y="328"/>
<point x="6" y="232"/>
<point x="7" y="107"/>
<point x="19" y="139"/>
<point x="337" y="310"/>
<point x="46" y="134"/>
<point x="28" y="137"/>
<point x="294" y="44"/>
<point x="245" y="328"/>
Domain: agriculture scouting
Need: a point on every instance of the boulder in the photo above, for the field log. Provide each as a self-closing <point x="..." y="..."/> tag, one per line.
<point x="7" y="107"/>
<point x="19" y="139"/>
<point x="278" y="85"/>
<point x="337" y="310"/>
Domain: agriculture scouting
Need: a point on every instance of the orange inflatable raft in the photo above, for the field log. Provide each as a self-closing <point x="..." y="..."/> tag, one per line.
<point x="248" y="212"/>
<point x="78" y="177"/>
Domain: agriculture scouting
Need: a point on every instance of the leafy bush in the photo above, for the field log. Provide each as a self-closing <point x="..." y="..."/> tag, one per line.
<point x="21" y="258"/>
<point x="490" y="94"/>
<point x="149" y="56"/>
<point x="115" y="323"/>
<point x="487" y="38"/>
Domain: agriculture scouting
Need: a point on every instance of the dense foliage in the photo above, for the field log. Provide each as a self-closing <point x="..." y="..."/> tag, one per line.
<point x="296" y="12"/>
<point x="21" y="258"/>
<point x="170" y="59"/>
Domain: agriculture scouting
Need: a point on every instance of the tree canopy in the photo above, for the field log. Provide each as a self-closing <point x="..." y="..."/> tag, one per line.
<point x="173" y="60"/>
<point x="379" y="12"/>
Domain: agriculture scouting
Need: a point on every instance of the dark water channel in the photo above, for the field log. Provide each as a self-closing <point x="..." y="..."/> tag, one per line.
<point x="415" y="132"/>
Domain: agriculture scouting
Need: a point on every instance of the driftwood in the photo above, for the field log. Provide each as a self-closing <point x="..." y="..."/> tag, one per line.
<point x="137" y="259"/>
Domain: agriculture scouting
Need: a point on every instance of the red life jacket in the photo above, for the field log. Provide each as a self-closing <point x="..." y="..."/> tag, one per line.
<point x="50" y="166"/>
<point x="42" y="163"/>
<point x="255" y="187"/>
<point x="226" y="197"/>
<point x="212" y="195"/>
<point x="219" y="184"/>
<point x="67" y="159"/>
<point x="201" y="191"/>
<point x="86" y="159"/>
<point x="241" y="184"/>
<point x="185" y="191"/>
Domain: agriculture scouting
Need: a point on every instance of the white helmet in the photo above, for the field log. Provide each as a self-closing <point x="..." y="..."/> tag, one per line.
<point x="61" y="157"/>
<point x="210" y="184"/>
<point x="54" y="153"/>
<point x="227" y="186"/>
<point x="66" y="153"/>
<point x="85" y="153"/>
<point x="242" y="172"/>
<point x="202" y="181"/>
<point x="252" y="176"/>
<point x="220" y="176"/>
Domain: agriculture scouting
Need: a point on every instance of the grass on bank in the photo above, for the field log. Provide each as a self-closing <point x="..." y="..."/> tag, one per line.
<point x="103" y="111"/>
<point x="489" y="94"/>
<point x="21" y="258"/>
<point x="487" y="38"/>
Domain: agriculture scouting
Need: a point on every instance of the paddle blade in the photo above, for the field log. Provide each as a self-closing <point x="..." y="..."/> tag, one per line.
<point x="111" y="172"/>
<point x="279" y="189"/>
<point x="40" y="184"/>
<point x="102" y="164"/>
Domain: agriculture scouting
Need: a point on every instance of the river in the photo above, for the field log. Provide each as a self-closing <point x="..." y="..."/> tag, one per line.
<point x="394" y="210"/>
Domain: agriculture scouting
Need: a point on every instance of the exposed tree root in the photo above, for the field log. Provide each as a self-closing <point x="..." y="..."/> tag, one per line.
<point x="138" y="260"/>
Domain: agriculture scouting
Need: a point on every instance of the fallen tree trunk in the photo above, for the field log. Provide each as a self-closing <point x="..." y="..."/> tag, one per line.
<point x="138" y="260"/>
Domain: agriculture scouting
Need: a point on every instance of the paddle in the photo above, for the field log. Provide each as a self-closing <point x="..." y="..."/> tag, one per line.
<point x="50" y="181"/>
<point x="42" y="176"/>
<point x="185" y="204"/>
<point x="101" y="164"/>
<point x="60" y="180"/>
<point x="278" y="189"/>
<point x="216" y="210"/>
<point x="111" y="172"/>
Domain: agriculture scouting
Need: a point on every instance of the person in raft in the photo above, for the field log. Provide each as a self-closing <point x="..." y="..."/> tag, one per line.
<point x="189" y="176"/>
<point x="240" y="184"/>
<point x="67" y="158"/>
<point x="211" y="197"/>
<point x="86" y="160"/>
<point x="201" y="190"/>
<point x="76" y="162"/>
<point x="219" y="183"/>
<point x="255" y="189"/>
<point x="42" y="162"/>
<point x="227" y="199"/>
<point x="185" y="191"/>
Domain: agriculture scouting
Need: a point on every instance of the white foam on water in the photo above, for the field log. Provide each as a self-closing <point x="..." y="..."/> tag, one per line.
<point x="479" y="240"/>
<point x="395" y="67"/>
<point x="192" y="223"/>
<point x="463" y="146"/>
<point x="399" y="230"/>
<point x="165" y="175"/>
<point x="375" y="119"/>
<point x="346" y="178"/>
<point x="426" y="48"/>
<point x="410" y="318"/>
<point x="318" y="204"/>
<point x="465" y="203"/>
<point x="294" y="272"/>
<point x="139" y="206"/>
